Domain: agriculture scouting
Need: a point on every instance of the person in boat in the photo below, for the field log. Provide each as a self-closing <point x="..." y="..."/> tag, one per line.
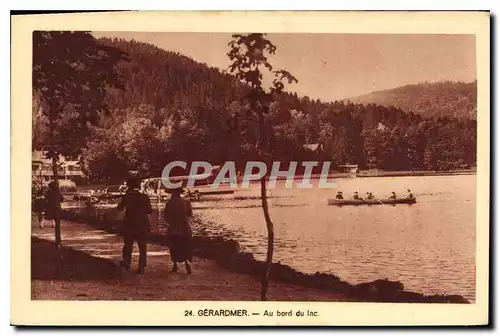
<point x="339" y="195"/>
<point x="179" y="235"/>
<point x="356" y="196"/>
<point x="410" y="195"/>
<point x="393" y="195"/>
<point x="123" y="187"/>
<point x="369" y="196"/>
<point x="135" y="223"/>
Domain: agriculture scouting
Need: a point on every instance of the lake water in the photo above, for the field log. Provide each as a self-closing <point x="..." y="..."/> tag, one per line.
<point x="429" y="246"/>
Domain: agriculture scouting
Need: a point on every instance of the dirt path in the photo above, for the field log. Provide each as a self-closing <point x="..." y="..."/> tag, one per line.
<point x="90" y="271"/>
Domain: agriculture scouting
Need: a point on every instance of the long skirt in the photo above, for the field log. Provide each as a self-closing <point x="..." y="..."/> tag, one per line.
<point x="181" y="248"/>
<point x="52" y="213"/>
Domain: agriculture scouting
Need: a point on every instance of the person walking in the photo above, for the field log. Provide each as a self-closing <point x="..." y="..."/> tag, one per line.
<point x="179" y="235"/>
<point x="136" y="224"/>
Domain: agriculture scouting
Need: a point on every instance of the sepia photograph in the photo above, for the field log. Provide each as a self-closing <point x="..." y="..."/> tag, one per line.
<point x="256" y="166"/>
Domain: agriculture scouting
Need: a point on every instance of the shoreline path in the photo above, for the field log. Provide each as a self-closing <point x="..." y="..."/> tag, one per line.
<point x="90" y="271"/>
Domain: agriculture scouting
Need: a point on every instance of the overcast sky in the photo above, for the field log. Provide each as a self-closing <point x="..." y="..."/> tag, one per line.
<point x="333" y="67"/>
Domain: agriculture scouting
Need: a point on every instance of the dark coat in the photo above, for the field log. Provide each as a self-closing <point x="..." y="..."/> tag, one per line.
<point x="39" y="204"/>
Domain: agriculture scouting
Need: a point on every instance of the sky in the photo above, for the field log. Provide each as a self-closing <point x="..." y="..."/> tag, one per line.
<point x="338" y="66"/>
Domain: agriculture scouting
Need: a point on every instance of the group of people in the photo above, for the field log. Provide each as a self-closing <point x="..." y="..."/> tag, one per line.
<point x="370" y="196"/>
<point x="47" y="205"/>
<point x="136" y="225"/>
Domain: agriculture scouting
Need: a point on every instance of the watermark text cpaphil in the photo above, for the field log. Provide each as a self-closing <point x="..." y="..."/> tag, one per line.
<point x="254" y="171"/>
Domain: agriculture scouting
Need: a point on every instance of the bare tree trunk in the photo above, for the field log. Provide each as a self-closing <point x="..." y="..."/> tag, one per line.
<point x="56" y="213"/>
<point x="270" y="240"/>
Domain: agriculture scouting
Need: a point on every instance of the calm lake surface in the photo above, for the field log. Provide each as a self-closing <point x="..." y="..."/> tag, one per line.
<point x="429" y="246"/>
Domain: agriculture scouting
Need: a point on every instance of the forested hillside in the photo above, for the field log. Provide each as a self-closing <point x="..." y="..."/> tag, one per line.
<point x="175" y="108"/>
<point x="442" y="99"/>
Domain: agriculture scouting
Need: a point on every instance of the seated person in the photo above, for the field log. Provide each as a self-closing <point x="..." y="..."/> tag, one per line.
<point x="339" y="195"/>
<point x="370" y="196"/>
<point x="393" y="196"/>
<point x="410" y="195"/>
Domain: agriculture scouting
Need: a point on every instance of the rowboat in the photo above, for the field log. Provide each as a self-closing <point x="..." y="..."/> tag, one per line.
<point x="391" y="201"/>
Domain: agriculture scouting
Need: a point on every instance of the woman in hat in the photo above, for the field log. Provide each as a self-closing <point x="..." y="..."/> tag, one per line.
<point x="179" y="235"/>
<point x="410" y="195"/>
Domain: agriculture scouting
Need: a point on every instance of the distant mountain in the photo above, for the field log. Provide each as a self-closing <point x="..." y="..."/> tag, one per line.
<point x="441" y="99"/>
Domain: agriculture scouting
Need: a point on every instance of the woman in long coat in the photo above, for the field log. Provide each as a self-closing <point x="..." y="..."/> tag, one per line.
<point x="53" y="199"/>
<point x="179" y="235"/>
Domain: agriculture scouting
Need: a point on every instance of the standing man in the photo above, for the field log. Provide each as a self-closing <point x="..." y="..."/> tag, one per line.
<point x="135" y="223"/>
<point x="53" y="199"/>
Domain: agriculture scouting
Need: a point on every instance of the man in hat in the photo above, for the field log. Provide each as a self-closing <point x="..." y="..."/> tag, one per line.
<point x="135" y="223"/>
<point x="339" y="195"/>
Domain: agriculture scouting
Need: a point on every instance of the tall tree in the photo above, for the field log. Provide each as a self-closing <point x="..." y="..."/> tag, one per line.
<point x="71" y="73"/>
<point x="248" y="54"/>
